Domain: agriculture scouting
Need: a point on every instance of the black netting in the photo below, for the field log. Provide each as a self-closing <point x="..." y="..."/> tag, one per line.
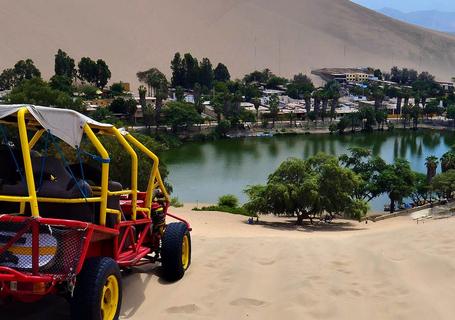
<point x="60" y="248"/>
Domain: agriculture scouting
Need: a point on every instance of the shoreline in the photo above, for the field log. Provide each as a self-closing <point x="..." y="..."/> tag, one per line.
<point x="442" y="209"/>
<point x="257" y="132"/>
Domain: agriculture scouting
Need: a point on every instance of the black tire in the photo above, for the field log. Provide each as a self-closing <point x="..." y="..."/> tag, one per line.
<point x="171" y="251"/>
<point x="88" y="293"/>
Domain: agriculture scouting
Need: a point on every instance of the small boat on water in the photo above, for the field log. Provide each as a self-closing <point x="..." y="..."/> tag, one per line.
<point x="263" y="134"/>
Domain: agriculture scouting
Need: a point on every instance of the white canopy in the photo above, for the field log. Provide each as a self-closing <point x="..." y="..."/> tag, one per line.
<point x="65" y="124"/>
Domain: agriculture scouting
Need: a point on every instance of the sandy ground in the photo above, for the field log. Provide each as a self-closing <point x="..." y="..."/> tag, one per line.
<point x="394" y="269"/>
<point x="287" y="36"/>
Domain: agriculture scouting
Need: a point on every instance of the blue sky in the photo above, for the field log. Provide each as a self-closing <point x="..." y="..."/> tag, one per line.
<point x="410" y="5"/>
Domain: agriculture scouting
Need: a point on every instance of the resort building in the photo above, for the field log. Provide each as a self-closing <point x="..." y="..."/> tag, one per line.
<point x="447" y="86"/>
<point x="357" y="77"/>
<point x="344" y="75"/>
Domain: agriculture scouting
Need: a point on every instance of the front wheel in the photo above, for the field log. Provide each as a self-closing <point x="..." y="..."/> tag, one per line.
<point x="175" y="251"/>
<point x="98" y="291"/>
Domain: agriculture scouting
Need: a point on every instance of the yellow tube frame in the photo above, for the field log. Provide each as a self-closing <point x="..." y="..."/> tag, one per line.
<point x="134" y="171"/>
<point x="36" y="138"/>
<point x="127" y="141"/>
<point x="155" y="175"/>
<point x="104" y="172"/>
<point x="27" y="162"/>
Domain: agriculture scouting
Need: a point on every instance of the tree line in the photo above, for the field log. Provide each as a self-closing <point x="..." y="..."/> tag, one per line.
<point x="329" y="186"/>
<point x="27" y="86"/>
<point x="93" y="72"/>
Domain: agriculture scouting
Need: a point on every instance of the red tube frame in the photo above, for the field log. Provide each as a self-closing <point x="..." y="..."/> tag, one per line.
<point x="127" y="257"/>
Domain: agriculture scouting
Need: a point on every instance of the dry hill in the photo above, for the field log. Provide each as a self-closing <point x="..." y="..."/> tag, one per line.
<point x="288" y="36"/>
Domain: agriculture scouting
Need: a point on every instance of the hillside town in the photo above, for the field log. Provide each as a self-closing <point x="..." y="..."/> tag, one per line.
<point x="205" y="99"/>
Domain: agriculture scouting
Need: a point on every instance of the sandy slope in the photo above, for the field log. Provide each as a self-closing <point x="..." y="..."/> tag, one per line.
<point x="394" y="269"/>
<point x="287" y="36"/>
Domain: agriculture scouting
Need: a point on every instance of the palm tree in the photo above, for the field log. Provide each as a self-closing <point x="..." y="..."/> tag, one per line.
<point x="274" y="104"/>
<point x="332" y="92"/>
<point x="291" y="118"/>
<point x="257" y="104"/>
<point x="157" y="83"/>
<point x="334" y="104"/>
<point x="317" y="96"/>
<point x="325" y="96"/>
<point x="307" y="98"/>
<point x="406" y="93"/>
<point x="378" y="95"/>
<point x="448" y="161"/>
<point x="431" y="163"/>
<point x="142" y="93"/>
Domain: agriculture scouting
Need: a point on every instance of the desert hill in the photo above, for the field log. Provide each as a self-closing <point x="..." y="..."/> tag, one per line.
<point x="287" y="36"/>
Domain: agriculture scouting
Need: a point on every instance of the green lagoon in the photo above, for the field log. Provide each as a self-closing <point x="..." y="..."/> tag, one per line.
<point x="203" y="171"/>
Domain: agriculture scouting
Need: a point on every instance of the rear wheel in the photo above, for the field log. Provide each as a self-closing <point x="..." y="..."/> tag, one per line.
<point x="175" y="251"/>
<point x="98" y="291"/>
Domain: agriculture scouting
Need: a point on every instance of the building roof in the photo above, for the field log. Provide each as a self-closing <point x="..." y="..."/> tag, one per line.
<point x="246" y="104"/>
<point x="346" y="110"/>
<point x="271" y="91"/>
<point x="340" y="71"/>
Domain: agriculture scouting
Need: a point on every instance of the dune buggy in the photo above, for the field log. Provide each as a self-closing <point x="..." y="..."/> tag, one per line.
<point x="68" y="229"/>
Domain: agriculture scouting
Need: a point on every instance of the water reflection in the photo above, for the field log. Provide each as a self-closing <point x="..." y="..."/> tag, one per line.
<point x="204" y="171"/>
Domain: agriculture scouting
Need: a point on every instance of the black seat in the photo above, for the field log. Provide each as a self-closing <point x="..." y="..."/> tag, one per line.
<point x="53" y="180"/>
<point x="9" y="174"/>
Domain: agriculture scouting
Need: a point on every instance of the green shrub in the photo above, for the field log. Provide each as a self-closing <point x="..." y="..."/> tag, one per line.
<point x="175" y="202"/>
<point x="229" y="201"/>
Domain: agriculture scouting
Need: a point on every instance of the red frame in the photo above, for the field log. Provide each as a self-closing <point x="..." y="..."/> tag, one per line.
<point x="99" y="241"/>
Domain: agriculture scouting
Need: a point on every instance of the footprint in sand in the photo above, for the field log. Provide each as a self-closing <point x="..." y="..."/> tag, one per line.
<point x="186" y="309"/>
<point x="314" y="278"/>
<point x="344" y="271"/>
<point x="247" y="302"/>
<point x="395" y="256"/>
<point x="266" y="263"/>
<point x="339" y="263"/>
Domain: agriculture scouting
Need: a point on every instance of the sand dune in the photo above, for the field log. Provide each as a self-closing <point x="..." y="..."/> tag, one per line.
<point x="287" y="36"/>
<point x="393" y="269"/>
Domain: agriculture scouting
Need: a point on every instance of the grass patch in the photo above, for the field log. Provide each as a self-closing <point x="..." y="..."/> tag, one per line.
<point x="235" y="210"/>
<point x="175" y="202"/>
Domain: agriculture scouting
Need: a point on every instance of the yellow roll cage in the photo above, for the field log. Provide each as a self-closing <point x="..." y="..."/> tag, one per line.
<point x="125" y="139"/>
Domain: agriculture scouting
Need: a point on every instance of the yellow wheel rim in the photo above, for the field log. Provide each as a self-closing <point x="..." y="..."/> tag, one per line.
<point x="109" y="299"/>
<point x="185" y="252"/>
